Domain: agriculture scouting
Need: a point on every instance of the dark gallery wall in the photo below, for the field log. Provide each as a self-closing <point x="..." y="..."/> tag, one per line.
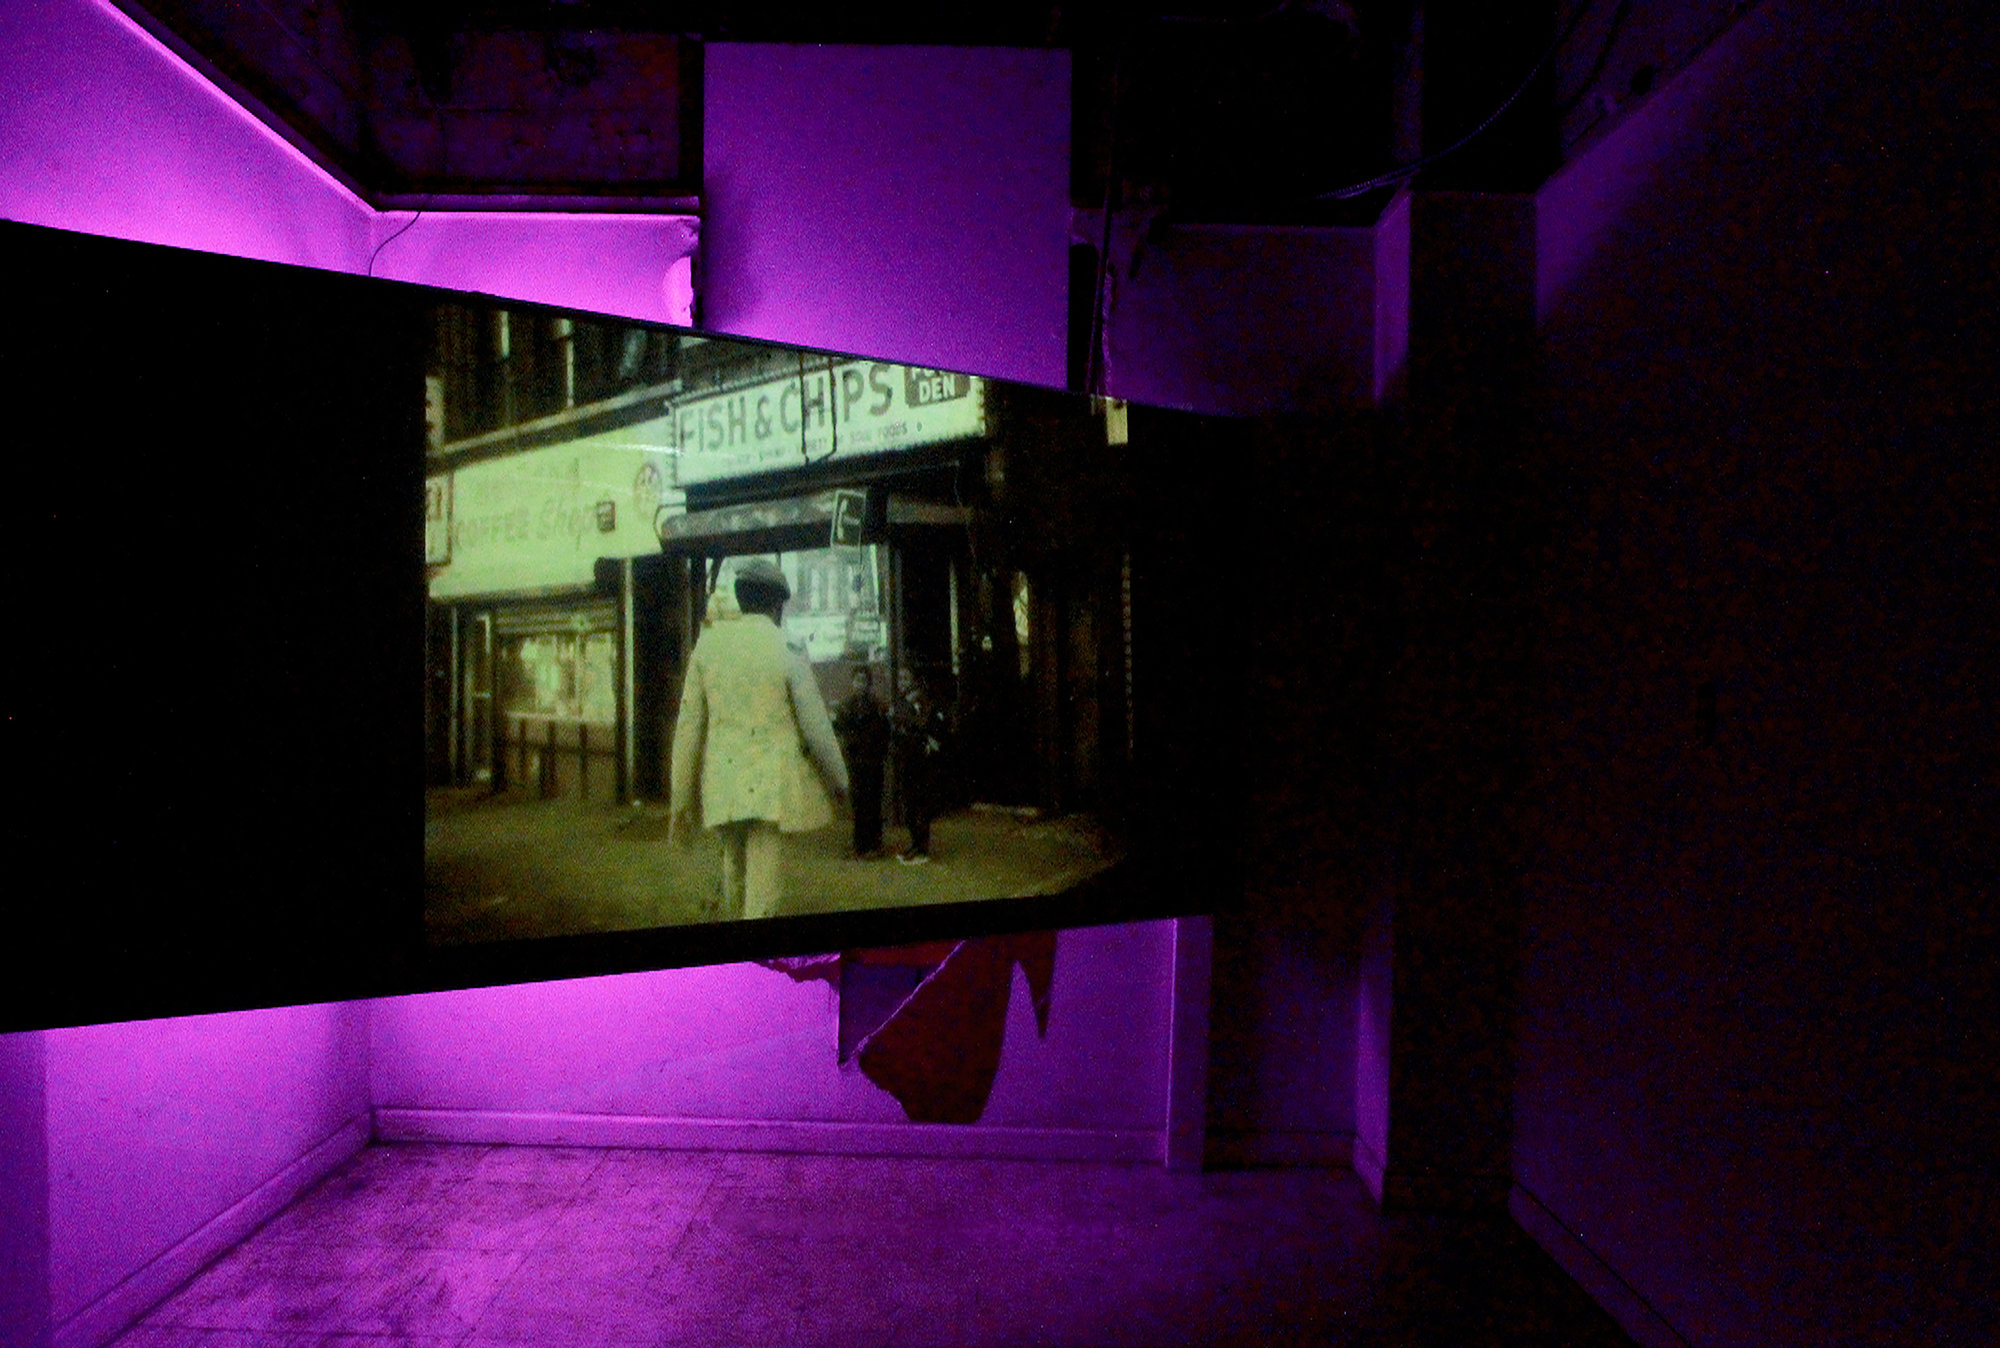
<point x="1757" y="1026"/>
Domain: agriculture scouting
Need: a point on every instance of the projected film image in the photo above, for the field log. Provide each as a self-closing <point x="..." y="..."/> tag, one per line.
<point x="721" y="630"/>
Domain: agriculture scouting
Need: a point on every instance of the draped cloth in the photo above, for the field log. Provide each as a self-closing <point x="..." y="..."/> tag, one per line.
<point x="939" y="1051"/>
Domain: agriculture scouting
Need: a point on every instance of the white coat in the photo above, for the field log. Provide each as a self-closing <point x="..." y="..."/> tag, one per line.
<point x="753" y="733"/>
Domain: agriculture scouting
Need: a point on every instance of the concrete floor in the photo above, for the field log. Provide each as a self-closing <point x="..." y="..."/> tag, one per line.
<point x="424" y="1245"/>
<point x="508" y="867"/>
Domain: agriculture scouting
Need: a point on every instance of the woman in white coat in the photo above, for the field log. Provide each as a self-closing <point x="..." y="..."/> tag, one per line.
<point x="754" y="751"/>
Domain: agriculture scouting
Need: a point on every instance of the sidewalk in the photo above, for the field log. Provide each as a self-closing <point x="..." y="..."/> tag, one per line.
<point x="508" y="868"/>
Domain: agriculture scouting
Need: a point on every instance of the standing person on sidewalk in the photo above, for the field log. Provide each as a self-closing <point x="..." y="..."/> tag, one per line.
<point x="863" y="726"/>
<point x="921" y="731"/>
<point x="754" y="752"/>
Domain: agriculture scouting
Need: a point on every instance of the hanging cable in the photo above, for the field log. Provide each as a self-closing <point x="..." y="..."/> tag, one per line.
<point x="1611" y="30"/>
<point x="1094" y="375"/>
<point x="444" y="173"/>
<point x="1397" y="176"/>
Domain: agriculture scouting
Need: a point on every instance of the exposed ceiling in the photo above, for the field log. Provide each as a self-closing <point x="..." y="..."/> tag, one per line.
<point x="1226" y="109"/>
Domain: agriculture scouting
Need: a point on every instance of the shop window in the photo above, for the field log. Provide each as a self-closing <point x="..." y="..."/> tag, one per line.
<point x="597" y="678"/>
<point x="563" y="676"/>
<point x="834" y="611"/>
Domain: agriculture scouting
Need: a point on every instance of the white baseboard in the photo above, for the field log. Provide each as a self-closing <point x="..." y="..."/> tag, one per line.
<point x="1599" y="1279"/>
<point x="1258" y="1150"/>
<point x="941" y="1140"/>
<point x="124" y="1305"/>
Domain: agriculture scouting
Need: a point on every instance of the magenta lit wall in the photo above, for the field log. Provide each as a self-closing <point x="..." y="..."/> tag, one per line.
<point x="1758" y="1018"/>
<point x="741" y="1042"/>
<point x="632" y="266"/>
<point x="102" y="130"/>
<point x="904" y="202"/>
<point x="154" y="1132"/>
<point x="24" y="1191"/>
<point x="154" y="1128"/>
<point x="1244" y="319"/>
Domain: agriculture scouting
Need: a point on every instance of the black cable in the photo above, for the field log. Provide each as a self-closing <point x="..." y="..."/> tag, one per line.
<point x="370" y="270"/>
<point x="1618" y="17"/>
<point x="1094" y="362"/>
<point x="444" y="172"/>
<point x="1397" y="176"/>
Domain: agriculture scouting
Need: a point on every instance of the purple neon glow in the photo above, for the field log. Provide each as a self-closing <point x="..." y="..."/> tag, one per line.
<point x="24" y="1190"/>
<point x="740" y="1042"/>
<point x="945" y="242"/>
<point x="105" y="131"/>
<point x="1374" y="996"/>
<point x="1391" y="343"/>
<point x="153" y="1129"/>
<point x="631" y="266"/>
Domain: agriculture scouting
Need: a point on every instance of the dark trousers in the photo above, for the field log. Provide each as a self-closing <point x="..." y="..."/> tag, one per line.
<point x="919" y="801"/>
<point x="865" y="786"/>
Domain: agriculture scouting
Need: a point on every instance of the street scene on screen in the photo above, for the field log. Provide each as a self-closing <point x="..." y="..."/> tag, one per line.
<point x="722" y="631"/>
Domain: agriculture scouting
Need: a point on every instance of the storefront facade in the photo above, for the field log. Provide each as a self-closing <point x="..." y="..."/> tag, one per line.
<point x="531" y="641"/>
<point x="927" y="524"/>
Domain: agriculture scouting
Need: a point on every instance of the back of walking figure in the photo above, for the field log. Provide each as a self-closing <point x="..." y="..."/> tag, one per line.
<point x="754" y="751"/>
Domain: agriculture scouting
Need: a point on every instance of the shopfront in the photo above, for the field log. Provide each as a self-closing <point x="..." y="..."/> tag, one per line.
<point x="534" y="622"/>
<point x="884" y="493"/>
<point x="931" y="527"/>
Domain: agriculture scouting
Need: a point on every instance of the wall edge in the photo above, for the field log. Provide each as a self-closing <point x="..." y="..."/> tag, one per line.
<point x="1592" y="1272"/>
<point x="160" y="1277"/>
<point x="1188" y="1043"/>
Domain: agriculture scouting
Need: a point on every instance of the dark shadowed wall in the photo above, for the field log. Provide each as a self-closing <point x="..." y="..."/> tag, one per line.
<point x="1758" y="1027"/>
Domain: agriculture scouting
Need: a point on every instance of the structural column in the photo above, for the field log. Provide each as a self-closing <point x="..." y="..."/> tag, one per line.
<point x="1436" y="992"/>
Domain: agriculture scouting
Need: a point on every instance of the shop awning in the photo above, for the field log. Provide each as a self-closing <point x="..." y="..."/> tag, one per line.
<point x="790" y="524"/>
